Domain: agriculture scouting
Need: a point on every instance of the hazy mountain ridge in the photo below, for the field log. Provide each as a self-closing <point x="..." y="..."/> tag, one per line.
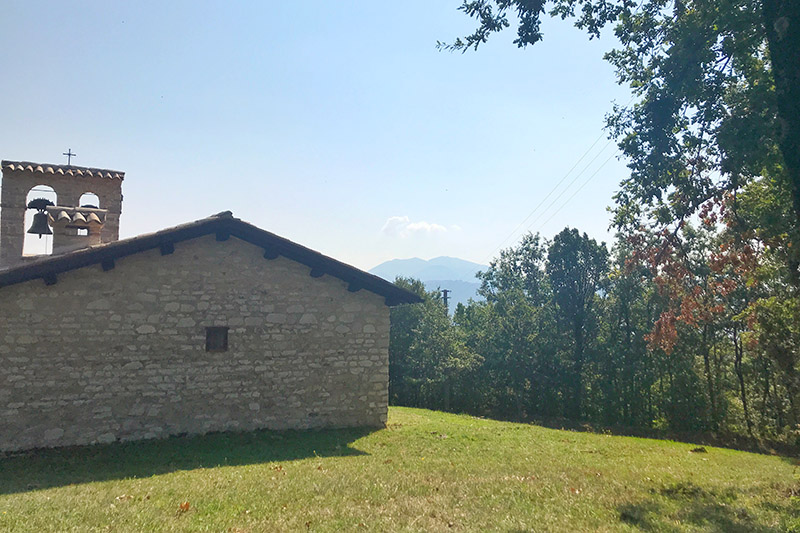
<point x="441" y="268"/>
<point x="443" y="272"/>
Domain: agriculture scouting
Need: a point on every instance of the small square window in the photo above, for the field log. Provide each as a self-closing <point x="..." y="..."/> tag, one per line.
<point x="217" y="339"/>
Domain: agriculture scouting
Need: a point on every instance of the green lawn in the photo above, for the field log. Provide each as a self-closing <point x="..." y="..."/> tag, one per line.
<point x="426" y="471"/>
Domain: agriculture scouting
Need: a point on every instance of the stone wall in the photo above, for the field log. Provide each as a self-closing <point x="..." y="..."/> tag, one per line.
<point x="120" y="355"/>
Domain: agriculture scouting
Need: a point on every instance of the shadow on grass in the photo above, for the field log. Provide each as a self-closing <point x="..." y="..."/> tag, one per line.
<point x="45" y="468"/>
<point x="673" y="507"/>
<point x="794" y="461"/>
<point x="731" y="441"/>
<point x="788" y="450"/>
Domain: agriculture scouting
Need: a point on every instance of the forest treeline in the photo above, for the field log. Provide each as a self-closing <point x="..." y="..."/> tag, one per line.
<point x="572" y="329"/>
<point x="690" y="321"/>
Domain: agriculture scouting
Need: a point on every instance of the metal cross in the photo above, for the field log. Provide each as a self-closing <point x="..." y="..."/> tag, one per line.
<point x="69" y="155"/>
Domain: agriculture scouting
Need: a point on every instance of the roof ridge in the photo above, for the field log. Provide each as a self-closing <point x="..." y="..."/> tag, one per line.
<point x="51" y="168"/>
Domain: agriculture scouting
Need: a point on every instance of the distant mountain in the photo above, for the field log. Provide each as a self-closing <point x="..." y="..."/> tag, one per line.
<point x="451" y="273"/>
<point x="448" y="268"/>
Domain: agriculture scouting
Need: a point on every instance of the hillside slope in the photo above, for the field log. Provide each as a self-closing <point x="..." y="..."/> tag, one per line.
<point x="426" y="471"/>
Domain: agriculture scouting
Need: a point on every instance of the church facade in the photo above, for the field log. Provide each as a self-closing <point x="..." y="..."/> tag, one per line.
<point x="210" y="326"/>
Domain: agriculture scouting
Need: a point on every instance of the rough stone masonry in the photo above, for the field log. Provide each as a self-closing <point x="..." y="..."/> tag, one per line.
<point x="112" y="355"/>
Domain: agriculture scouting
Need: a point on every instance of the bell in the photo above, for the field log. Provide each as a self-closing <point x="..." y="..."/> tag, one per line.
<point x="40" y="226"/>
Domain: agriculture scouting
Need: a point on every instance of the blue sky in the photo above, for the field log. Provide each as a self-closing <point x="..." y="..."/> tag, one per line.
<point x="335" y="124"/>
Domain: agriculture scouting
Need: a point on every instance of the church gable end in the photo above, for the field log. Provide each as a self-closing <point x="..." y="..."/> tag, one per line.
<point x="113" y="344"/>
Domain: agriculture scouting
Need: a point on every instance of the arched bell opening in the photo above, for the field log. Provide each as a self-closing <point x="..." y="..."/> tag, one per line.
<point x="89" y="199"/>
<point x="36" y="244"/>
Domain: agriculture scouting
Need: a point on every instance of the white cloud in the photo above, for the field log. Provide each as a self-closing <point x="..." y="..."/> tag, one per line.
<point x="403" y="228"/>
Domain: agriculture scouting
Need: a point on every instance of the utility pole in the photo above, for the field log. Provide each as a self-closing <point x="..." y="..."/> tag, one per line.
<point x="447" y="383"/>
<point x="446" y="299"/>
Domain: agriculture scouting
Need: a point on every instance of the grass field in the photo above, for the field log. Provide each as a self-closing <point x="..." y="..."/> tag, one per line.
<point x="426" y="471"/>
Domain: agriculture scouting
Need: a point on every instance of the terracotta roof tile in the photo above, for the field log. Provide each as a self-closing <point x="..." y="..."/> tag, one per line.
<point x="81" y="215"/>
<point x="68" y="170"/>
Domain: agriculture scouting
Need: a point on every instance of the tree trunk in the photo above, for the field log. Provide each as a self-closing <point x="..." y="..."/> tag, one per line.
<point x="709" y="378"/>
<point x="776" y="399"/>
<point x="765" y="397"/>
<point x="448" y="387"/>
<point x="577" y="393"/>
<point x="791" y="391"/>
<point x="782" y="24"/>
<point x="628" y="375"/>
<point x="738" y="352"/>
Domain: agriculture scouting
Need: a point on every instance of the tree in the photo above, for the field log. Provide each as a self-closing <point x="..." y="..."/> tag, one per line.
<point x="402" y="366"/>
<point x="628" y="369"/>
<point x="427" y="354"/>
<point x="519" y="344"/>
<point x="718" y="87"/>
<point x="576" y="266"/>
<point x="714" y="134"/>
<point x="519" y="268"/>
<point x="557" y="336"/>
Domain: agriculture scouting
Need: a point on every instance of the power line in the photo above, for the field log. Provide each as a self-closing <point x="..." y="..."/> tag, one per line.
<point x="571" y="183"/>
<point x="557" y="185"/>
<point x="585" y="183"/>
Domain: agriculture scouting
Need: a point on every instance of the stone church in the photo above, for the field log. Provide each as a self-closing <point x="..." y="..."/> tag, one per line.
<point x="208" y="326"/>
